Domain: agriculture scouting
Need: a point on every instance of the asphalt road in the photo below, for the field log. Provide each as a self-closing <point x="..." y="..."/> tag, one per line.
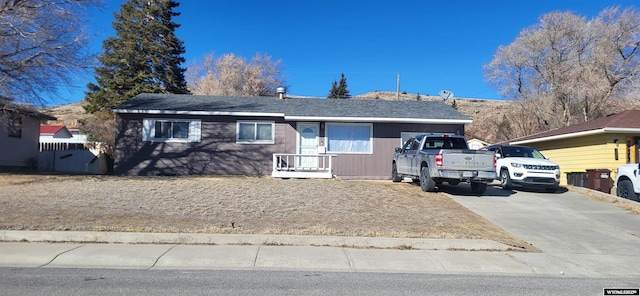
<point x="54" y="282"/>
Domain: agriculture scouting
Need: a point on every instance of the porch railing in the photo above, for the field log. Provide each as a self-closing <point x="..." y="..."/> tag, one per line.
<point x="302" y="165"/>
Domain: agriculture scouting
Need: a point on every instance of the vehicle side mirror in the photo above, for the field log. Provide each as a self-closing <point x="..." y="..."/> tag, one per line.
<point x="398" y="149"/>
<point x="498" y="155"/>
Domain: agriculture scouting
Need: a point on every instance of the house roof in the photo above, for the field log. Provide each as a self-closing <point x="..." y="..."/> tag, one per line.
<point x="24" y="110"/>
<point x="50" y="129"/>
<point x="622" y="122"/>
<point x="296" y="109"/>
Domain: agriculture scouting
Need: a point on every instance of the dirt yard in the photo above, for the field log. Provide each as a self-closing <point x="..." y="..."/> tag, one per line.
<point x="238" y="205"/>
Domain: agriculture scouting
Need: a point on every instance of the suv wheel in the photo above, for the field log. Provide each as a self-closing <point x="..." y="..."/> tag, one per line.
<point x="505" y="179"/>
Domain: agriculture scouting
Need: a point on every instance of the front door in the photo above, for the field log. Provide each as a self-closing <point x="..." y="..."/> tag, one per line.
<point x="308" y="144"/>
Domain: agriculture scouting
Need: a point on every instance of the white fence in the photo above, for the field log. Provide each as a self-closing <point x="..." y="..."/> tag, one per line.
<point x="302" y="166"/>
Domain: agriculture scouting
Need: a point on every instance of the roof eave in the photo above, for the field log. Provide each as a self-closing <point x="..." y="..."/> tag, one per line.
<point x="211" y="113"/>
<point x="296" y="118"/>
<point x="378" y="119"/>
<point x="606" y="130"/>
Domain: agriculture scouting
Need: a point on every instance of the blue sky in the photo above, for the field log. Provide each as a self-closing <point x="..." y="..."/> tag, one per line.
<point x="433" y="45"/>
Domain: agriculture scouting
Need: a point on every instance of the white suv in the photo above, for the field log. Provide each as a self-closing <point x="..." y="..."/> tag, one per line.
<point x="525" y="167"/>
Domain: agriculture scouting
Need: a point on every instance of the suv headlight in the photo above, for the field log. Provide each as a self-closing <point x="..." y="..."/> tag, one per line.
<point x="516" y="165"/>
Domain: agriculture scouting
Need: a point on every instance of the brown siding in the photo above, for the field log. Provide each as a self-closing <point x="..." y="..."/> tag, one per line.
<point x="216" y="153"/>
<point x="386" y="139"/>
<point x="21" y="151"/>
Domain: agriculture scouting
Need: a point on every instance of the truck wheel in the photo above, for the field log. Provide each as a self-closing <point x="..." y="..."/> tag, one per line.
<point x="478" y="187"/>
<point x="625" y="190"/>
<point x="426" y="183"/>
<point x="394" y="173"/>
<point x="505" y="179"/>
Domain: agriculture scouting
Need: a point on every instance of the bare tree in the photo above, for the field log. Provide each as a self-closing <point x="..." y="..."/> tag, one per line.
<point x="231" y="75"/>
<point x="42" y="43"/>
<point x="566" y="69"/>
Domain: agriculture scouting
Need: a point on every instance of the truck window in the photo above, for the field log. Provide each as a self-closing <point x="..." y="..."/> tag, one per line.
<point x="445" y="143"/>
<point x="458" y="143"/>
<point x="407" y="145"/>
<point x="416" y="145"/>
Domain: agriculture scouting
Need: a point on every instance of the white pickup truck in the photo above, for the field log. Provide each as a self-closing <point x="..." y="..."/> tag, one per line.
<point x="436" y="158"/>
<point x="628" y="181"/>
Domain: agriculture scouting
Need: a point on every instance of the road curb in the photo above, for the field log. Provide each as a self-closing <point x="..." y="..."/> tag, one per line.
<point x="251" y="239"/>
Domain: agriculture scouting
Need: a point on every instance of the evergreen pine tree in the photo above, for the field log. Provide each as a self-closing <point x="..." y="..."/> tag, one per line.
<point x="343" y="92"/>
<point x="333" y="92"/>
<point x="145" y="56"/>
<point x="339" y="89"/>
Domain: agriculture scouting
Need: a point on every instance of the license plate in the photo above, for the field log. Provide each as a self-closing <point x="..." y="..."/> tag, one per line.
<point x="467" y="174"/>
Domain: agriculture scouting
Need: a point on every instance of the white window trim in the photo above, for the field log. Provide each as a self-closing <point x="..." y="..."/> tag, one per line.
<point x="326" y="136"/>
<point x="273" y="132"/>
<point x="149" y="130"/>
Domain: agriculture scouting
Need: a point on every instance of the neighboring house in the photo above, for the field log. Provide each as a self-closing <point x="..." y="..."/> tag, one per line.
<point x="19" y="132"/>
<point x="65" y="149"/>
<point x="603" y="143"/>
<point x="477" y="144"/>
<point x="162" y="134"/>
<point x="59" y="137"/>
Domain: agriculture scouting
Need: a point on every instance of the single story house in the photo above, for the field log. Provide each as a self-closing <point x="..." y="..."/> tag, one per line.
<point x="19" y="134"/>
<point x="167" y="134"/>
<point x="61" y="137"/>
<point x="600" y="144"/>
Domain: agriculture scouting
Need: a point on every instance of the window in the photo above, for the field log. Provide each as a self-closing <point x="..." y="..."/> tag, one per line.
<point x="171" y="130"/>
<point x="404" y="136"/>
<point x="255" y="132"/>
<point x="14" y="126"/>
<point x="349" y="137"/>
<point x="445" y="143"/>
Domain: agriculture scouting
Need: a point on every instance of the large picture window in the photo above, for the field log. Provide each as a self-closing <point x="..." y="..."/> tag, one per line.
<point x="349" y="138"/>
<point x="255" y="132"/>
<point x="171" y="130"/>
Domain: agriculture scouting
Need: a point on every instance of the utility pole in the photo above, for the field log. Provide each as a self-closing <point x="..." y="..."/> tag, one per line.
<point x="398" y="87"/>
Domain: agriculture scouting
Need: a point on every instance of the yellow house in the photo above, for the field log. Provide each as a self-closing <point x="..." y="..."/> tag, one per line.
<point x="601" y="144"/>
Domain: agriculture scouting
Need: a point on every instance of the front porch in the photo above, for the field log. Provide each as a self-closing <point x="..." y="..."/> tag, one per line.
<point x="302" y="166"/>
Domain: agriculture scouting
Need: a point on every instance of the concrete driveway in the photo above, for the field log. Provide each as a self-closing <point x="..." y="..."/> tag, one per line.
<point x="567" y="226"/>
<point x="561" y="222"/>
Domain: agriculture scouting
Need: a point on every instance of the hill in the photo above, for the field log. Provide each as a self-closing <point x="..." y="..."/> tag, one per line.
<point x="68" y="114"/>
<point x="484" y="113"/>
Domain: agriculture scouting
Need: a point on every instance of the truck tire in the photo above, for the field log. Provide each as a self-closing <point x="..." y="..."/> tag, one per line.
<point x="426" y="182"/>
<point x="478" y="187"/>
<point x="505" y="179"/>
<point x="394" y="173"/>
<point x="625" y="190"/>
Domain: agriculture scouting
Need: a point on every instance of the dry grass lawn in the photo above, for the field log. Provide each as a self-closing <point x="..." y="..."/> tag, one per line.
<point x="238" y="205"/>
